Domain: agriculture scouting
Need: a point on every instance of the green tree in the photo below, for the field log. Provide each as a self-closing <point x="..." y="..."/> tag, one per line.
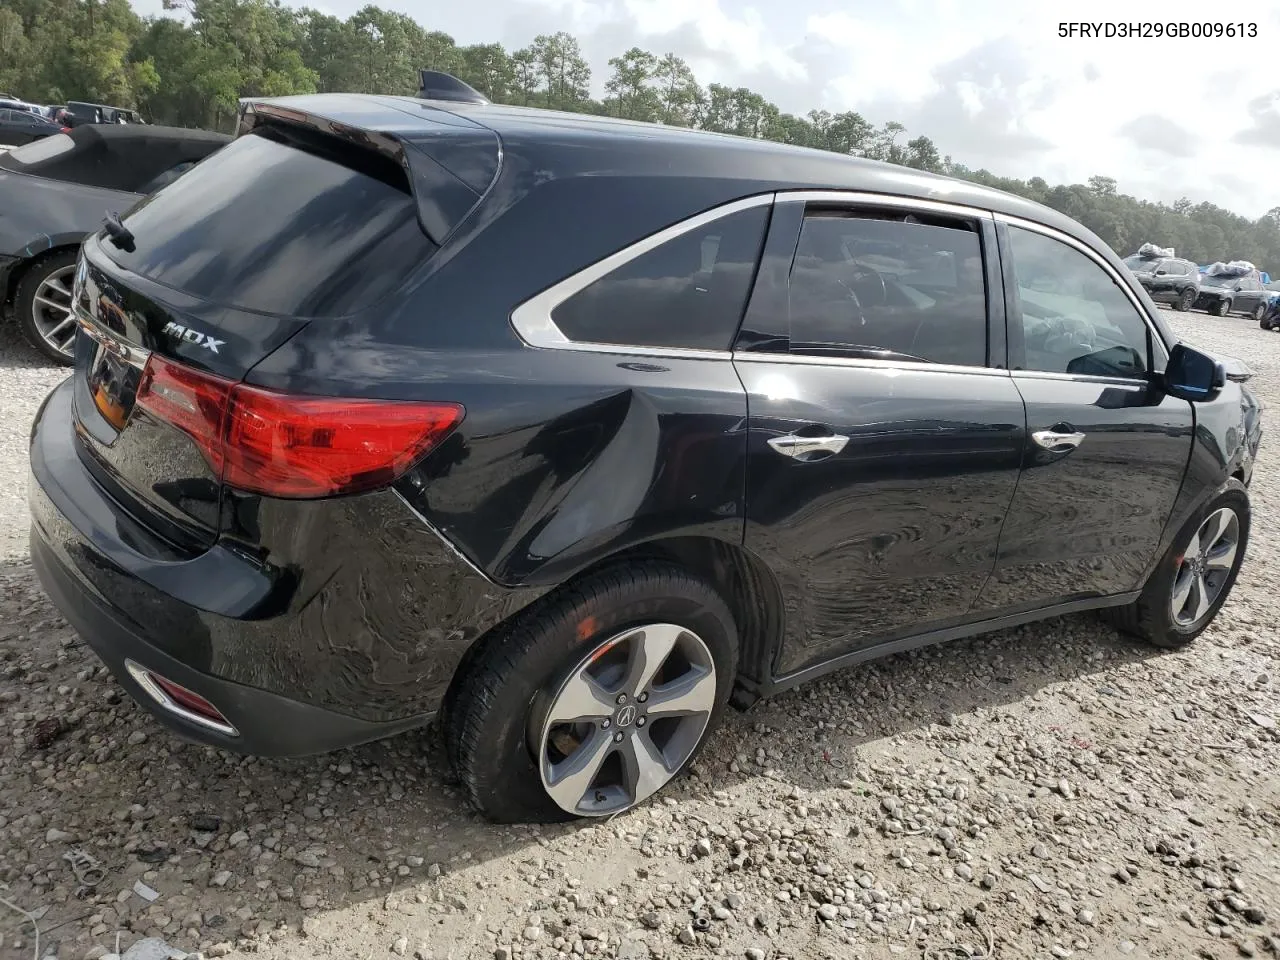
<point x="565" y="76"/>
<point x="677" y="89"/>
<point x="630" y="95"/>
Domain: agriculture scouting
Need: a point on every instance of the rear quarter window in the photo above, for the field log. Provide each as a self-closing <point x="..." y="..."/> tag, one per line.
<point x="268" y="226"/>
<point x="689" y="293"/>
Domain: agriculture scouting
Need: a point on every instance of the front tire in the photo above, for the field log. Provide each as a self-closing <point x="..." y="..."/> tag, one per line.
<point x="594" y="700"/>
<point x="43" y="305"/>
<point x="1195" y="576"/>
<point x="1186" y="300"/>
<point x="1221" y="308"/>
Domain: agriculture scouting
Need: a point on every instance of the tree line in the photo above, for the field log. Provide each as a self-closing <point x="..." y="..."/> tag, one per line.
<point x="192" y="70"/>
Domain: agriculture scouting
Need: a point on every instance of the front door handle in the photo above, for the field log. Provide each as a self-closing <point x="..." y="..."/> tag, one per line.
<point x="1058" y="441"/>
<point x="801" y="448"/>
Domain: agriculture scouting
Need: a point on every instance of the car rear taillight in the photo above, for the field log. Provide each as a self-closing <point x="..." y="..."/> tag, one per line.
<point x="292" y="445"/>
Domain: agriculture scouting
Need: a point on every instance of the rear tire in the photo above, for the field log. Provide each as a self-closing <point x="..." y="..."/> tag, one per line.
<point x="499" y="720"/>
<point x="1259" y="311"/>
<point x="46" y="326"/>
<point x="1186" y="300"/>
<point x="1156" y="615"/>
<point x="1221" y="308"/>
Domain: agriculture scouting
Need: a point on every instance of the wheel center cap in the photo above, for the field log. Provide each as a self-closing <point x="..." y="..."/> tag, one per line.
<point x="625" y="716"/>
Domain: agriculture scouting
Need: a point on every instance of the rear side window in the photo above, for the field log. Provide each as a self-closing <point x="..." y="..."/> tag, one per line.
<point x="889" y="285"/>
<point x="269" y="225"/>
<point x="688" y="293"/>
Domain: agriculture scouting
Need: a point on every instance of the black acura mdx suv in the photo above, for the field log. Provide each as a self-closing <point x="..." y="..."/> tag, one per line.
<point x="571" y="429"/>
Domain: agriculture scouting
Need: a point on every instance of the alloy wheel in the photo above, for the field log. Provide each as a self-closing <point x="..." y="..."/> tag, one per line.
<point x="626" y="720"/>
<point x="1205" y="567"/>
<point x="51" y="311"/>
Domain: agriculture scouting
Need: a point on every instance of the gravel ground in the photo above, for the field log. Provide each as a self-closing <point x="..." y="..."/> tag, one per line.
<point x="1050" y="791"/>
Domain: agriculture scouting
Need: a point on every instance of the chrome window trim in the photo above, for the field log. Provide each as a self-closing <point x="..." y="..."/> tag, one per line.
<point x="532" y="320"/>
<point x="1081" y="377"/>
<point x="1055" y="234"/>
<point x="867" y="363"/>
<point x="882" y="200"/>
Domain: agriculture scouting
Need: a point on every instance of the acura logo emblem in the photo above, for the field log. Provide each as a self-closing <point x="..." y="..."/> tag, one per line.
<point x="626" y="716"/>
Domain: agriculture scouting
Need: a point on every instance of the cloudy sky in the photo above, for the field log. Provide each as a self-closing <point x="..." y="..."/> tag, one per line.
<point x="990" y="81"/>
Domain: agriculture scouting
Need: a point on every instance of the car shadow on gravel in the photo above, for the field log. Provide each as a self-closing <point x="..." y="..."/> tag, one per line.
<point x="15" y="352"/>
<point x="815" y="737"/>
<point x="89" y="765"/>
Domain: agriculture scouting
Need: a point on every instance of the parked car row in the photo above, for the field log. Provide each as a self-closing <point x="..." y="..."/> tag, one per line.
<point x="360" y="431"/>
<point x="18" y="127"/>
<point x="55" y="191"/>
<point x="75" y="113"/>
<point x="1179" y="283"/>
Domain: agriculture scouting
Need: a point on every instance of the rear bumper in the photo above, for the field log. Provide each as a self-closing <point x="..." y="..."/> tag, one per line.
<point x="345" y="622"/>
<point x="266" y="724"/>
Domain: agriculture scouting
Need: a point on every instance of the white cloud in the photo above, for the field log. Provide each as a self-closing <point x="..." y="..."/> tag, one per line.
<point x="990" y="81"/>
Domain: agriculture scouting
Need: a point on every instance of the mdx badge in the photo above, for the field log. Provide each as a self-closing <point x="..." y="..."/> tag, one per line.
<point x="192" y="336"/>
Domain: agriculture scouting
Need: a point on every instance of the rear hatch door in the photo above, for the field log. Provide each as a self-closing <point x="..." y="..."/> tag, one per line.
<point x="288" y="225"/>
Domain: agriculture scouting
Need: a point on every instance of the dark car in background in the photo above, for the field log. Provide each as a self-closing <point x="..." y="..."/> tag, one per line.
<point x="19" y="127"/>
<point x="1221" y="295"/>
<point x="571" y="428"/>
<point x="56" y="191"/>
<point x="1170" y="280"/>
<point x="1270" y="319"/>
<point x="78" y="113"/>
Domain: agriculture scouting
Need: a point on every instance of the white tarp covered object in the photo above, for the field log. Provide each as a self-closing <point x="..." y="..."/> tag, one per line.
<point x="1236" y="268"/>
<point x="1150" y="251"/>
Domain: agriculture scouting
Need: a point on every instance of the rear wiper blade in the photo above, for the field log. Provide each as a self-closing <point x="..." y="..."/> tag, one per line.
<point x="120" y="234"/>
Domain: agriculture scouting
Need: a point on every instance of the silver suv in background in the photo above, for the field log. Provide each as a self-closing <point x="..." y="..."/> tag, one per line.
<point x="1169" y="280"/>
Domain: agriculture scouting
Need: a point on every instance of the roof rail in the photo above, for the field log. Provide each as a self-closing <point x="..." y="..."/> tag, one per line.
<point x="435" y="85"/>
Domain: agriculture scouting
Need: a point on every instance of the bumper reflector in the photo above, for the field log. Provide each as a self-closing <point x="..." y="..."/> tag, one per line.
<point x="179" y="700"/>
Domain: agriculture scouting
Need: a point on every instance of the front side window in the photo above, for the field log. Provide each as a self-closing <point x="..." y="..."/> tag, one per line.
<point x="688" y="293"/>
<point x="889" y="285"/>
<point x="1075" y="318"/>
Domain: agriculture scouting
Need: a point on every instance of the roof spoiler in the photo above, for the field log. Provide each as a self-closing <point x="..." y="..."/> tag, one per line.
<point x="443" y="193"/>
<point x="435" y="85"/>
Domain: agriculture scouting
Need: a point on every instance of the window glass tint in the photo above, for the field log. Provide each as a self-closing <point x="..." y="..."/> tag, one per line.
<point x="166" y="178"/>
<point x="688" y="293"/>
<point x="861" y="285"/>
<point x="1075" y="318"/>
<point x="268" y="226"/>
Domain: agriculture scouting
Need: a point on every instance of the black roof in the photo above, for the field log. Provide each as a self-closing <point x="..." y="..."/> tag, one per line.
<point x="121" y="156"/>
<point x="609" y="146"/>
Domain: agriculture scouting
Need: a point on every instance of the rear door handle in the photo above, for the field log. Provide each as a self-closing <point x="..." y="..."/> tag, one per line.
<point x="1058" y="441"/>
<point x="801" y="448"/>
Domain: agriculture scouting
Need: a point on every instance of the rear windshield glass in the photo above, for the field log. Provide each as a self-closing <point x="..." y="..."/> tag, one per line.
<point x="269" y="226"/>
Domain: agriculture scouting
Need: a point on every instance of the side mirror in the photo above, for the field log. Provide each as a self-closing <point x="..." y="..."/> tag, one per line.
<point x="1239" y="287"/>
<point x="1192" y="375"/>
<point x="1161" y="273"/>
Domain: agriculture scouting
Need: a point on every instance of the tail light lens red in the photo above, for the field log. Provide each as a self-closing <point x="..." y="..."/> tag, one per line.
<point x="289" y="445"/>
